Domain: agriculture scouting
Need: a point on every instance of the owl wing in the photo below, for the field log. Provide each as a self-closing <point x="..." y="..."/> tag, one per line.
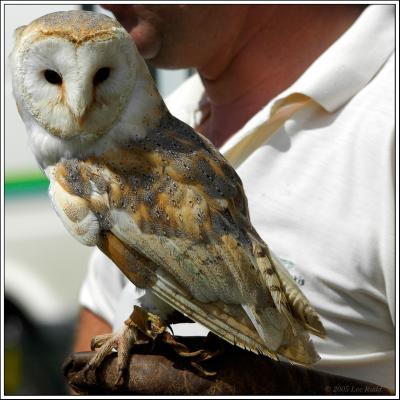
<point x="73" y="209"/>
<point x="258" y="327"/>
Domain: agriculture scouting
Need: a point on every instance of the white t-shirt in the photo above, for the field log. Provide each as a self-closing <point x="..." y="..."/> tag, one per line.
<point x="321" y="194"/>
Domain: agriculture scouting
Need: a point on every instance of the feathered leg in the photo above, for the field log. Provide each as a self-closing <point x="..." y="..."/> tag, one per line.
<point x="139" y="328"/>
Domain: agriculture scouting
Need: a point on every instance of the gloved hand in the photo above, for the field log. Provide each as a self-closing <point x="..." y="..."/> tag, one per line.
<point x="160" y="371"/>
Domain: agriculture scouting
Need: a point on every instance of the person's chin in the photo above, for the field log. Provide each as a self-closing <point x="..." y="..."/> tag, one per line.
<point x="147" y="40"/>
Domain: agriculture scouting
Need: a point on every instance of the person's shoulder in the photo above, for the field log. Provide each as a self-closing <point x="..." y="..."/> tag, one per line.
<point x="381" y="89"/>
<point x="373" y="107"/>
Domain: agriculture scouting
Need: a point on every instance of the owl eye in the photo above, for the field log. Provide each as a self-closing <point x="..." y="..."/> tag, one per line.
<point x="101" y="75"/>
<point x="52" y="77"/>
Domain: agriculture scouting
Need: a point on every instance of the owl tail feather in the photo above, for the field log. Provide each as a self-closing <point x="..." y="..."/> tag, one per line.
<point x="299" y="347"/>
<point x="288" y="340"/>
<point x="293" y="311"/>
<point x="286" y="294"/>
<point x="300" y="306"/>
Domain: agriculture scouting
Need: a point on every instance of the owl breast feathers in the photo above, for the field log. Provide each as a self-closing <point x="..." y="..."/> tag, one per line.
<point x="153" y="194"/>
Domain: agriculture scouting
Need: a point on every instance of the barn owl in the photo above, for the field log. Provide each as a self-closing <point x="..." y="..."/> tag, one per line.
<point x="151" y="193"/>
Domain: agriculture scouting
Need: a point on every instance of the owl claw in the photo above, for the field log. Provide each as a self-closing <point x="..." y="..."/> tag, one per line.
<point x="98" y="341"/>
<point x="85" y="371"/>
<point x="191" y="353"/>
<point x="198" y="356"/>
<point x="120" y="374"/>
<point x="202" y="370"/>
<point x="184" y="351"/>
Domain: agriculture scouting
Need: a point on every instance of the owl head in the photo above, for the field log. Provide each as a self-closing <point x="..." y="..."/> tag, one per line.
<point x="74" y="73"/>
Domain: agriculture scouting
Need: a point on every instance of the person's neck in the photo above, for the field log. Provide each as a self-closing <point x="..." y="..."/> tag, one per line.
<point x="274" y="48"/>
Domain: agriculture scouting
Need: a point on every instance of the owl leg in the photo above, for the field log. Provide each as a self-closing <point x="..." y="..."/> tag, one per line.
<point x="139" y="328"/>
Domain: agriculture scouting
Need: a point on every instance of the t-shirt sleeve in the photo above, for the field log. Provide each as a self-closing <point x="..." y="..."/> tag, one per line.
<point x="387" y="221"/>
<point x="102" y="287"/>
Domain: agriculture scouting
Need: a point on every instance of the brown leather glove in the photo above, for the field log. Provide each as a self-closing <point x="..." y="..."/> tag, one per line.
<point x="160" y="371"/>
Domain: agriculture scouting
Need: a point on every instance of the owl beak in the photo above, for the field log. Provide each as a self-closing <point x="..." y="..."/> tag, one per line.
<point x="80" y="113"/>
<point x="79" y="104"/>
<point x="80" y="121"/>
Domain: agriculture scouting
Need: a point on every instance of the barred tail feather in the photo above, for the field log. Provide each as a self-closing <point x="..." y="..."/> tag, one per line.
<point x="300" y="306"/>
<point x="293" y="308"/>
<point x="268" y="272"/>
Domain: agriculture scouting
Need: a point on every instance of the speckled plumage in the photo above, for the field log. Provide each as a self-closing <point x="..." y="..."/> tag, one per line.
<point x="168" y="209"/>
<point x="76" y="26"/>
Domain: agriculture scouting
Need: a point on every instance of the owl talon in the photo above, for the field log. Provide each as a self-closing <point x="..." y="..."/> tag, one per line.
<point x="198" y="356"/>
<point x="202" y="370"/>
<point x="180" y="348"/>
<point x="119" y="380"/>
<point x="204" y="356"/>
<point x="208" y="355"/>
<point x="98" y="341"/>
<point x="190" y="354"/>
<point x="85" y="371"/>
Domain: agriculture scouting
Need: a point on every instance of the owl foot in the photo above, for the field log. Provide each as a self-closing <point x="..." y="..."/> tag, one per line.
<point x="197" y="356"/>
<point x="139" y="328"/>
<point x="143" y="327"/>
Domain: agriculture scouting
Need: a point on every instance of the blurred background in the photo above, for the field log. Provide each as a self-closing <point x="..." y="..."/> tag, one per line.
<point x="44" y="265"/>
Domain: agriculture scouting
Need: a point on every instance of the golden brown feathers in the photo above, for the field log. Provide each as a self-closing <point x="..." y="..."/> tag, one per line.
<point x="76" y="26"/>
